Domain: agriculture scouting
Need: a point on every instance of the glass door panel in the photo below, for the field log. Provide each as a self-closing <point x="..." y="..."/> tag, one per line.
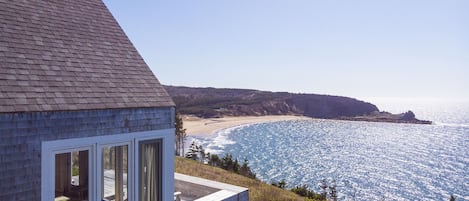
<point x="115" y="173"/>
<point x="72" y="175"/>
<point x="150" y="170"/>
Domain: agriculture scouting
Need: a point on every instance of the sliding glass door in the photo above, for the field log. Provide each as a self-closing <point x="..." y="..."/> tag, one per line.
<point x="150" y="186"/>
<point x="126" y="167"/>
<point x="72" y="175"/>
<point x="115" y="173"/>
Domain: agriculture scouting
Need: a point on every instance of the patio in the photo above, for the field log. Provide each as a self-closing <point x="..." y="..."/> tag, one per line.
<point x="198" y="189"/>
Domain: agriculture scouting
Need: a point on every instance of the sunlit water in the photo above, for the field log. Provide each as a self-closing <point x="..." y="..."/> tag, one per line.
<point x="369" y="161"/>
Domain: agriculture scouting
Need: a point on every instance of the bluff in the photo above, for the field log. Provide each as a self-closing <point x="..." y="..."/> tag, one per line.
<point x="215" y="102"/>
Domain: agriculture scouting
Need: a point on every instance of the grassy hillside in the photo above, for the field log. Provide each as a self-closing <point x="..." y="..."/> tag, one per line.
<point x="257" y="189"/>
<point x="213" y="102"/>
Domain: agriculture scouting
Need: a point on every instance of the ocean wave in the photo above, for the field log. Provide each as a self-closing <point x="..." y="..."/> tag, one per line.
<point x="216" y="143"/>
<point x="368" y="161"/>
<point x="451" y="124"/>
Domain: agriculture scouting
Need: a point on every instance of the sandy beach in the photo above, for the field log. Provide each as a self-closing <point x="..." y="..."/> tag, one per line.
<point x="205" y="127"/>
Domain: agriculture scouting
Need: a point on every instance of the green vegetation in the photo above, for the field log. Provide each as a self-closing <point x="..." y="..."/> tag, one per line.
<point x="329" y="191"/>
<point x="305" y="192"/>
<point x="281" y="184"/>
<point x="227" y="163"/>
<point x="75" y="171"/>
<point x="197" y="154"/>
<point x="257" y="190"/>
<point x="212" y="102"/>
<point x="452" y="198"/>
<point x="181" y="135"/>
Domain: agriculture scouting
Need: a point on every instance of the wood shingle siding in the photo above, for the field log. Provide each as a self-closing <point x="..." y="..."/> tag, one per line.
<point x="68" y="72"/>
<point x="21" y="135"/>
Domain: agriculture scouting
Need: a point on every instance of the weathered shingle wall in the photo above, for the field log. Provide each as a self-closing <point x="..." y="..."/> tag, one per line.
<point x="21" y="135"/>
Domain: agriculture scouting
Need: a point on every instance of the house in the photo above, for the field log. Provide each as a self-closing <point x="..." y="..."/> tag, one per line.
<point x="82" y="117"/>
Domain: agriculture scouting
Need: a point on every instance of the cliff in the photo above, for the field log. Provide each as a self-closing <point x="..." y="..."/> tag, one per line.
<point x="213" y="102"/>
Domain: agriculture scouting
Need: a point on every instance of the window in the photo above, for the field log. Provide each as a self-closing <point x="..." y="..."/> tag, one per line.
<point x="150" y="173"/>
<point x="122" y="167"/>
<point x="71" y="175"/>
<point x="114" y="173"/>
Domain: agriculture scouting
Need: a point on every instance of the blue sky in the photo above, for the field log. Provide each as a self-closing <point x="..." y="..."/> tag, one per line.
<point x="398" y="48"/>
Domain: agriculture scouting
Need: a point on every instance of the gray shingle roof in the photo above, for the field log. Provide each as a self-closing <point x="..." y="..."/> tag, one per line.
<point x="70" y="55"/>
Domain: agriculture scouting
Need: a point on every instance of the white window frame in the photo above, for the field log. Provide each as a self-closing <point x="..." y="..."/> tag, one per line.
<point x="94" y="145"/>
<point x="99" y="167"/>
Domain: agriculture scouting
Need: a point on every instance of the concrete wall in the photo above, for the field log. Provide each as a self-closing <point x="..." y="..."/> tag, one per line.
<point x="21" y="135"/>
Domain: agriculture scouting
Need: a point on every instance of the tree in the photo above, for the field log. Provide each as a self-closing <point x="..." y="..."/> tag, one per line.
<point x="245" y="170"/>
<point x="181" y="135"/>
<point x="193" y="151"/>
<point x="301" y="190"/>
<point x="201" y="153"/>
<point x="323" y="186"/>
<point x="306" y="192"/>
<point x="452" y="198"/>
<point x="227" y="162"/>
<point x="236" y="166"/>
<point x="333" y="190"/>
<point x="215" y="160"/>
<point x="197" y="152"/>
<point x="281" y="184"/>
<point x="328" y="191"/>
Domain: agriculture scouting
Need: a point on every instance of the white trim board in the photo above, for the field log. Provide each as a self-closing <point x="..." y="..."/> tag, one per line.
<point x="225" y="190"/>
<point x="94" y="145"/>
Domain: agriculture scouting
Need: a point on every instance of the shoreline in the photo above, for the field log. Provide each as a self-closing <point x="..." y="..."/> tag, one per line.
<point x="206" y="127"/>
<point x="196" y="126"/>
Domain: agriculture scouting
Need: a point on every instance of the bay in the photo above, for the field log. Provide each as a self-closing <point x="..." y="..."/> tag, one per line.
<point x="367" y="160"/>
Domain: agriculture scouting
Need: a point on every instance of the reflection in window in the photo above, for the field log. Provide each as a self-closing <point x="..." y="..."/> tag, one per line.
<point x="71" y="175"/>
<point x="115" y="171"/>
<point x="150" y="171"/>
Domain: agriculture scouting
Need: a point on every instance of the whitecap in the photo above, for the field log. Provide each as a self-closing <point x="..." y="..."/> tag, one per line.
<point x="451" y="124"/>
<point x="368" y="161"/>
<point x="217" y="142"/>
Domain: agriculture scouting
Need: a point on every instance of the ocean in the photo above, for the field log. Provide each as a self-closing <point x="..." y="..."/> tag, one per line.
<point x="366" y="160"/>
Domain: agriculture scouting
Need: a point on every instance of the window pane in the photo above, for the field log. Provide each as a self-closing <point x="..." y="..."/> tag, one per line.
<point x="71" y="175"/>
<point x="115" y="169"/>
<point x="150" y="171"/>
